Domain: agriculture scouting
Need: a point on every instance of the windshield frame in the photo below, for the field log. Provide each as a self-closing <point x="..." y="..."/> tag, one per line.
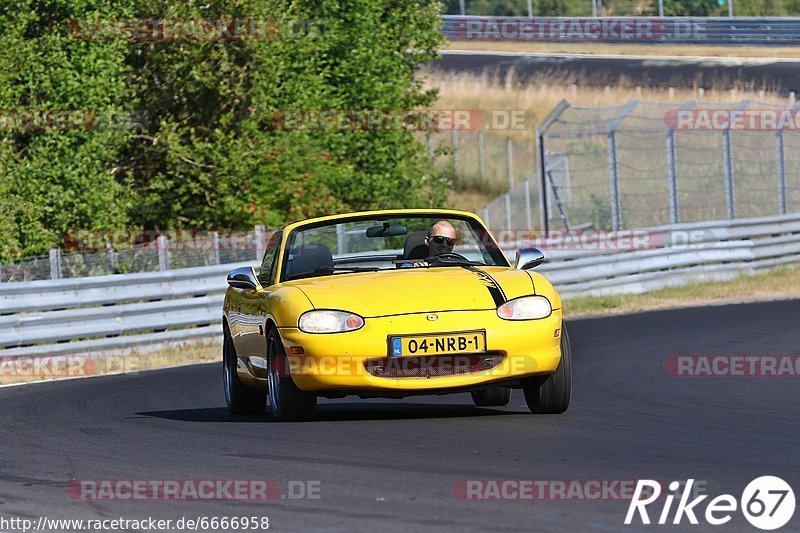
<point x="472" y="222"/>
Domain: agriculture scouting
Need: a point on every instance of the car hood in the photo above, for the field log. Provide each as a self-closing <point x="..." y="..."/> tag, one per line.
<point x="416" y="290"/>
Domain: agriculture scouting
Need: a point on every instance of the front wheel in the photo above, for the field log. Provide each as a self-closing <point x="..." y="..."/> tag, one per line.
<point x="241" y="400"/>
<point x="551" y="394"/>
<point x="288" y="403"/>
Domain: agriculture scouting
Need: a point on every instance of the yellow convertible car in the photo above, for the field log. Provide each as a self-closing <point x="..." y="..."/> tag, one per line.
<point x="392" y="304"/>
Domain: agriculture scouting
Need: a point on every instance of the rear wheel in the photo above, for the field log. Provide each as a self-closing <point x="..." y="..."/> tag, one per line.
<point x="551" y="394"/>
<point x="493" y="397"/>
<point x="241" y="400"/>
<point x="288" y="403"/>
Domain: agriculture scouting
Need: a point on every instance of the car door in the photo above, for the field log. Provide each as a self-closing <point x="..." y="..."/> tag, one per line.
<point x="255" y="304"/>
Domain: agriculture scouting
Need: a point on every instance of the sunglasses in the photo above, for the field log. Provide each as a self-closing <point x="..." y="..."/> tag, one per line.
<point x="439" y="239"/>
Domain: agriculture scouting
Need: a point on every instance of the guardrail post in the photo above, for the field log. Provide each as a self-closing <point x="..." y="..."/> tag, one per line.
<point x="510" y="164"/>
<point x="455" y="151"/>
<point x="528" y="216"/>
<point x="163" y="255"/>
<point x="215" y="244"/>
<point x="258" y="235"/>
<point x="481" y="155"/>
<point x="781" y="166"/>
<point x="613" y="177"/>
<point x="672" y="175"/>
<point x="728" y="164"/>
<point x="55" y="263"/>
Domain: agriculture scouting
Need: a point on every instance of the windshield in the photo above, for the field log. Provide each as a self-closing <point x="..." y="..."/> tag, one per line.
<point x="388" y="243"/>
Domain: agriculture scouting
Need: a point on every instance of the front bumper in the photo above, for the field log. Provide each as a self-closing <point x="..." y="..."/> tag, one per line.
<point x="342" y="361"/>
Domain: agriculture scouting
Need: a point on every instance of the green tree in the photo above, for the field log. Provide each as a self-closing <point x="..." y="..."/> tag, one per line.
<point x="184" y="134"/>
<point x="55" y="181"/>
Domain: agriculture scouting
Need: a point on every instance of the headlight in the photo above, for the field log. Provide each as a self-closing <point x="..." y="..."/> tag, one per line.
<point x="327" y="321"/>
<point x="525" y="308"/>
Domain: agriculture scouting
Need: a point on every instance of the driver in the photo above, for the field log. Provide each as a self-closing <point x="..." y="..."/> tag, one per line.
<point x="441" y="239"/>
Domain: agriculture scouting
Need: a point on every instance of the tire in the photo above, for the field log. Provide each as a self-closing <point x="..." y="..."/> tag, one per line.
<point x="241" y="399"/>
<point x="288" y="403"/>
<point x="551" y="394"/>
<point x="494" y="397"/>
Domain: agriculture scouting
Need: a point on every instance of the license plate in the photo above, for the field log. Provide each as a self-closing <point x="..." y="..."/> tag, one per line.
<point x="439" y="344"/>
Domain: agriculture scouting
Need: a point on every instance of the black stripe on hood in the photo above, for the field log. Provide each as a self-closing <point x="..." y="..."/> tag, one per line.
<point x="491" y="285"/>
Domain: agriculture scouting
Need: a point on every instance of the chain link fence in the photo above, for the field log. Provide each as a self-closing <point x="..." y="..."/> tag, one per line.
<point x="644" y="164"/>
<point x="160" y="252"/>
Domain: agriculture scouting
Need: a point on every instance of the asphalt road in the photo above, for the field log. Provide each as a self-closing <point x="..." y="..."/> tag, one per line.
<point x="594" y="70"/>
<point x="393" y="464"/>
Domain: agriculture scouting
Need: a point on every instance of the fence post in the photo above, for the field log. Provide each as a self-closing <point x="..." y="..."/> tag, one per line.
<point x="541" y="182"/>
<point x="613" y="166"/>
<point x="55" y="263"/>
<point x="510" y="164"/>
<point x="455" y="151"/>
<point x="215" y="244"/>
<point x="541" y="131"/>
<point x="507" y="205"/>
<point x="481" y="155"/>
<point x="728" y="164"/>
<point x="781" y="165"/>
<point x="613" y="177"/>
<point x="258" y="235"/>
<point x="430" y="146"/>
<point x="672" y="175"/>
<point x="163" y="256"/>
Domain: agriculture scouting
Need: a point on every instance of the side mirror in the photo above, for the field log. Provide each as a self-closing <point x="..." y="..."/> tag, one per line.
<point x="528" y="258"/>
<point x="243" y="278"/>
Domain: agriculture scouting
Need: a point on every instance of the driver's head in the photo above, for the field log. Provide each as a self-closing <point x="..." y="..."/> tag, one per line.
<point x="441" y="238"/>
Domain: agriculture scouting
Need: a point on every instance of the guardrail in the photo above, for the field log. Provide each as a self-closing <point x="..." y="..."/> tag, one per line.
<point x="676" y="254"/>
<point x="69" y="316"/>
<point x="111" y="312"/>
<point x="769" y="31"/>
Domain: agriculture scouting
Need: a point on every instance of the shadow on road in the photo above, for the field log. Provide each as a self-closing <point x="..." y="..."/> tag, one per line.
<point x="332" y="412"/>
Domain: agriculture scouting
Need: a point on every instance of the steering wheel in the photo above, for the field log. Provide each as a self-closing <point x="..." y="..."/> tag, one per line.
<point x="447" y="256"/>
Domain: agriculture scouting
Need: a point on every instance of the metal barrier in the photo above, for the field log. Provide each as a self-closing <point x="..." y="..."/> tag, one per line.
<point x="646" y="30"/>
<point x="112" y="312"/>
<point x="70" y="316"/>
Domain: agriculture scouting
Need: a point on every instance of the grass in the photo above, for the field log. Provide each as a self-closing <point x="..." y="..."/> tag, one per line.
<point x="771" y="285"/>
<point x="628" y="49"/>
